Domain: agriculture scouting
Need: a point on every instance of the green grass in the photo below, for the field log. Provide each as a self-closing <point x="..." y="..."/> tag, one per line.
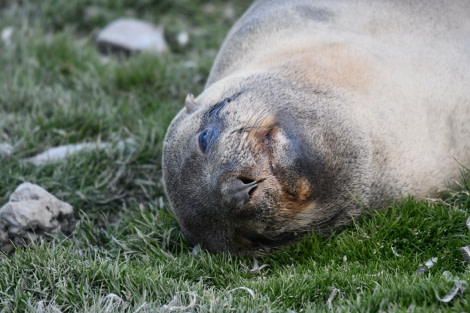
<point x="56" y="89"/>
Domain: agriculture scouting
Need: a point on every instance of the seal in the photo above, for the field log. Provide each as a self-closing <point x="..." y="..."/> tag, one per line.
<point x="316" y="112"/>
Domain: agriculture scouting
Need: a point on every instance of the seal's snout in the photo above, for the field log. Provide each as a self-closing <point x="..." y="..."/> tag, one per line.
<point x="236" y="192"/>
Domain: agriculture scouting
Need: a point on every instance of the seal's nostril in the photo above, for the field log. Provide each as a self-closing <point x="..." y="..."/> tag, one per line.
<point x="246" y="180"/>
<point x="250" y="192"/>
<point x="237" y="191"/>
<point x="250" y="184"/>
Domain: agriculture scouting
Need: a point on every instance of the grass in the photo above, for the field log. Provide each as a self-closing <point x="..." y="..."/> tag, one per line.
<point x="128" y="254"/>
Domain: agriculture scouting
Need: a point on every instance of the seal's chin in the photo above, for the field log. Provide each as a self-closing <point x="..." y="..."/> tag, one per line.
<point x="260" y="217"/>
<point x="249" y="218"/>
<point x="255" y="243"/>
<point x="242" y="241"/>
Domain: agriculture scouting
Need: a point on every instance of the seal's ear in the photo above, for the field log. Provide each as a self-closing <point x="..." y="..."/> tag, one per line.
<point x="190" y="103"/>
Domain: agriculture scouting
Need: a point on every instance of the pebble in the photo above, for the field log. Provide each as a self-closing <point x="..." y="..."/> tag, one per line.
<point x="5" y="149"/>
<point x="57" y="154"/>
<point x="6" y="35"/>
<point x="183" y="39"/>
<point x="127" y="35"/>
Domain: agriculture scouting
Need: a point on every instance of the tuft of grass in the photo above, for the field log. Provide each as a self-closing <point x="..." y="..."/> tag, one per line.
<point x="128" y="253"/>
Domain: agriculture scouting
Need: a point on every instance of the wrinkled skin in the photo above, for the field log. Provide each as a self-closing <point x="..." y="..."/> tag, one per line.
<point x="315" y="112"/>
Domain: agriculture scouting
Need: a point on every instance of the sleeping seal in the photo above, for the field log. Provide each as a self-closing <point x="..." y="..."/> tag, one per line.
<point x="316" y="111"/>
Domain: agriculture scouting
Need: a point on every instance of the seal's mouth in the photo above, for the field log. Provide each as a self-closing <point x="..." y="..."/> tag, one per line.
<point x="256" y="243"/>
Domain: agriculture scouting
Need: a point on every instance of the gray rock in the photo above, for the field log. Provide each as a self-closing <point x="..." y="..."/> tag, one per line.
<point x="128" y="35"/>
<point x="30" y="215"/>
<point x="5" y="149"/>
<point x="5" y="35"/>
<point x="183" y="39"/>
<point x="60" y="153"/>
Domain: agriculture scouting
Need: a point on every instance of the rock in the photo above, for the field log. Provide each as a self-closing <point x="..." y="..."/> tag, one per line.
<point x="6" y="35"/>
<point x="5" y="149"/>
<point x="229" y="12"/>
<point x="57" y="154"/>
<point x="465" y="253"/>
<point x="182" y="39"/>
<point x="60" y="153"/>
<point x="30" y="215"/>
<point x="128" y="35"/>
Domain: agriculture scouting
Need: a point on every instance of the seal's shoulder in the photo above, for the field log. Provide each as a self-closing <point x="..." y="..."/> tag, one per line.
<point x="266" y="23"/>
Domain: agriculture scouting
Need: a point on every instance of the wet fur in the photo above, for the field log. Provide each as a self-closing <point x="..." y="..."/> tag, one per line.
<point x="332" y="108"/>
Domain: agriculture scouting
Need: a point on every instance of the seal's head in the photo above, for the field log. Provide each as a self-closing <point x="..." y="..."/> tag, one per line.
<point x="252" y="164"/>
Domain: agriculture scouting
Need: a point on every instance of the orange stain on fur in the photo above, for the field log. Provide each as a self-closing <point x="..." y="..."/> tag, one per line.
<point x="260" y="134"/>
<point x="293" y="204"/>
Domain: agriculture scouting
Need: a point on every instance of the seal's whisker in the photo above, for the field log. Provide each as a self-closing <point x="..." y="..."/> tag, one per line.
<point x="244" y="130"/>
<point x="265" y="178"/>
<point x="247" y="129"/>
<point x="258" y="121"/>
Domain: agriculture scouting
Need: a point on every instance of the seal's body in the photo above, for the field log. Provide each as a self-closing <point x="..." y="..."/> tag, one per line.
<point x="315" y="111"/>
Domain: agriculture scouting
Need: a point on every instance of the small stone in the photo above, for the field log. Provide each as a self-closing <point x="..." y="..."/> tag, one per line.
<point x="229" y="12"/>
<point x="183" y="39"/>
<point x="30" y="215"/>
<point x="465" y="253"/>
<point x="5" y="149"/>
<point x="60" y="153"/>
<point x="196" y="250"/>
<point x="127" y="36"/>
<point x="431" y="262"/>
<point x="57" y="154"/>
<point x="209" y="8"/>
<point x="6" y="35"/>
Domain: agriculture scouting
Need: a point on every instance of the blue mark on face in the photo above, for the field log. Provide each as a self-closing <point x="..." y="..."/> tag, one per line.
<point x="211" y="125"/>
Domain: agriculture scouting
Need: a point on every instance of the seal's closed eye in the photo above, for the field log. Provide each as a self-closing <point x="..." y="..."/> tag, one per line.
<point x="206" y="138"/>
<point x="211" y="117"/>
<point x="203" y="141"/>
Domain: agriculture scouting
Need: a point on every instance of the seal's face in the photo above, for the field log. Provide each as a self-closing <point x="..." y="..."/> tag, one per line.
<point x="242" y="175"/>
